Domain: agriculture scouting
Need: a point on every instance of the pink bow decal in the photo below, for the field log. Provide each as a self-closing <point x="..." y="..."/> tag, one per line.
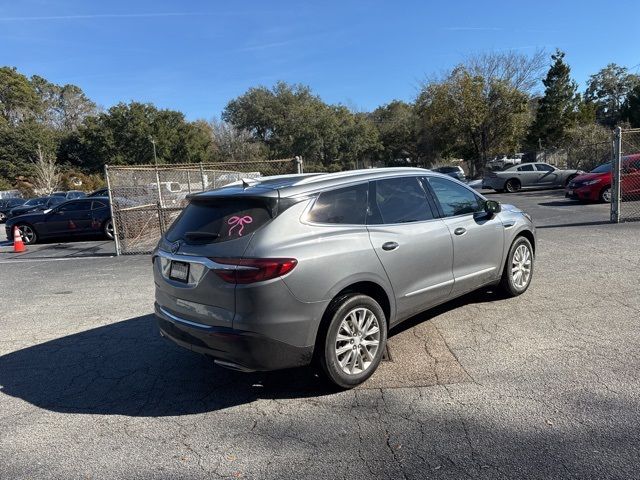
<point x="238" y="222"/>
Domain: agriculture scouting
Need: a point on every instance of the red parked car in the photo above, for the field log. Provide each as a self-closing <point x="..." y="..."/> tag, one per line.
<point x="596" y="185"/>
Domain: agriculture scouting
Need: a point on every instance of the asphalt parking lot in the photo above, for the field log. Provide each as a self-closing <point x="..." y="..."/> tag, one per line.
<point x="541" y="386"/>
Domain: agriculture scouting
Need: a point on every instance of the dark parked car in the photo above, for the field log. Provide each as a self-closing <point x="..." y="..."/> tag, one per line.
<point x="6" y="204"/>
<point x="38" y="204"/>
<point x="278" y="272"/>
<point x="73" y="218"/>
<point x="70" y="195"/>
<point x="453" y="172"/>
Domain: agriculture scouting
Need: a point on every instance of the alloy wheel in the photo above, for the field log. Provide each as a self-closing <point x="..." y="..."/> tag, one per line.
<point x="108" y="229"/>
<point x="27" y="233"/>
<point x="357" y="341"/>
<point x="606" y="195"/>
<point x="521" y="266"/>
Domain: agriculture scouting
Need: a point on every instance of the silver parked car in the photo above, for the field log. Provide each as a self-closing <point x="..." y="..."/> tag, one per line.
<point x="528" y="175"/>
<point x="277" y="272"/>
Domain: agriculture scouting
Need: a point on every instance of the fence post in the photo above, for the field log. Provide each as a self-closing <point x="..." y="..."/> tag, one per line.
<point x="159" y="203"/>
<point x="189" y="181"/>
<point x="113" y="218"/>
<point x="202" y="177"/>
<point x="616" y="168"/>
<point x="299" y="164"/>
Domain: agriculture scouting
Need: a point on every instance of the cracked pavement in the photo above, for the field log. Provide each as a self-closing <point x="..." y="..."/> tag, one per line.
<point x="541" y="386"/>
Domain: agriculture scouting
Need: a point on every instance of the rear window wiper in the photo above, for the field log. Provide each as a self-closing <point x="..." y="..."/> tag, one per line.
<point x="200" y="236"/>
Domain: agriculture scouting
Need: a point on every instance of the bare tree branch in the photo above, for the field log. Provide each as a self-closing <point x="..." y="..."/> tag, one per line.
<point x="47" y="174"/>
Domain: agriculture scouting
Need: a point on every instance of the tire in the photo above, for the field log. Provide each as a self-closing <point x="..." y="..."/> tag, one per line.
<point x="107" y="229"/>
<point x="512" y="185"/>
<point x="605" y="194"/>
<point x="336" y="354"/>
<point x="29" y="235"/>
<point x="509" y="283"/>
<point x="3" y="217"/>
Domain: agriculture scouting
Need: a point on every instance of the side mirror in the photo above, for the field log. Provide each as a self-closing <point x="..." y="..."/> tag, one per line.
<point x="492" y="207"/>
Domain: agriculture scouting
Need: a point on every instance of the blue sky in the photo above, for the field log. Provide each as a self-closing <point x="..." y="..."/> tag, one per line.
<point x="196" y="56"/>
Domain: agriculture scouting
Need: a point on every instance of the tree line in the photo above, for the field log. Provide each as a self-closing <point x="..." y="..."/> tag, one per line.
<point x="486" y="106"/>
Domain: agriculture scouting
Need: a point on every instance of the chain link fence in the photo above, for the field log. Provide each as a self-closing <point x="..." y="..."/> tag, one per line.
<point x="625" y="204"/>
<point x="146" y="199"/>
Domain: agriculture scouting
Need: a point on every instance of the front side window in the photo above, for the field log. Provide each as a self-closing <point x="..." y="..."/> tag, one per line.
<point x="542" y="167"/>
<point x="74" y="207"/>
<point x="346" y="206"/>
<point x="455" y="199"/>
<point x="525" y="168"/>
<point x="95" y="205"/>
<point x="399" y="200"/>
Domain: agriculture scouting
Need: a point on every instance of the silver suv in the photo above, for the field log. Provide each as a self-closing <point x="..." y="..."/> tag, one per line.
<point x="278" y="272"/>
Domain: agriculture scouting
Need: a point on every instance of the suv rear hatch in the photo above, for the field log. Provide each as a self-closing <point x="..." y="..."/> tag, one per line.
<point x="199" y="260"/>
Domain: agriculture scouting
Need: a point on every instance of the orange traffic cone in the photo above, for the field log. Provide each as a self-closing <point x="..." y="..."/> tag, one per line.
<point x="18" y="244"/>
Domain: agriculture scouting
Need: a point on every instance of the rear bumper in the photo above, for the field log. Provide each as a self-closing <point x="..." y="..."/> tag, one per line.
<point x="243" y="349"/>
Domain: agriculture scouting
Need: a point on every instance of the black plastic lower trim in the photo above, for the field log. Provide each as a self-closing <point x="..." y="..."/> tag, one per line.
<point x="246" y="349"/>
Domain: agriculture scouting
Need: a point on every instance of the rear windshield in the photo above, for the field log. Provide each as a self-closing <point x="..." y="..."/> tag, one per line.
<point x="604" y="168"/>
<point x="218" y="220"/>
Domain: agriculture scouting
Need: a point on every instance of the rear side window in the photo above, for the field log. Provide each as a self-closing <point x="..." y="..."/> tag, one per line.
<point x="96" y="205"/>
<point x="218" y="220"/>
<point x="541" y="167"/>
<point x="346" y="206"/>
<point x="399" y="200"/>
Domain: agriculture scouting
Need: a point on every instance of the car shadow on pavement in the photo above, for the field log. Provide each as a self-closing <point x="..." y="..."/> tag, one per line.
<point x="126" y="368"/>
<point x="483" y="295"/>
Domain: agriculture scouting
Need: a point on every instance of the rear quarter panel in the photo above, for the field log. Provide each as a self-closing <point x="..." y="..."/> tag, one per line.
<point x="330" y="257"/>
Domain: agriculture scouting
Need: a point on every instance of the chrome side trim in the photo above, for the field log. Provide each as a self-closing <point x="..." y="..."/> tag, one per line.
<point x="207" y="262"/>
<point x="475" y="274"/>
<point x="183" y="321"/>
<point x="432" y="287"/>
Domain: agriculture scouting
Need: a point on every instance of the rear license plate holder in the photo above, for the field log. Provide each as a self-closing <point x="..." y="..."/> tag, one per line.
<point x="179" y="271"/>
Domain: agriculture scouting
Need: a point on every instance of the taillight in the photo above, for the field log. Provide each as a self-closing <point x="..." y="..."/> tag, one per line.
<point x="250" y="270"/>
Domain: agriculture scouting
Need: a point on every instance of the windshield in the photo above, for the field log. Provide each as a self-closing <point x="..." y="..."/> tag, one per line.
<point x="56" y="201"/>
<point x="35" y="201"/>
<point x="604" y="168"/>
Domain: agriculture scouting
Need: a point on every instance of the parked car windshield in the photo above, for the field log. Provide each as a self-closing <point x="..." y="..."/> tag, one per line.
<point x="604" y="168"/>
<point x="218" y="220"/>
<point x="55" y="201"/>
<point x="36" y="201"/>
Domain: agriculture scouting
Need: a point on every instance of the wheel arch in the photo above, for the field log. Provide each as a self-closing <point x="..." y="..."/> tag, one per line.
<point x="364" y="287"/>
<point x="528" y="234"/>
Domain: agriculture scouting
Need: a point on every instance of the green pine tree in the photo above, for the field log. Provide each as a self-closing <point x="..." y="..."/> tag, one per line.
<point x="557" y="108"/>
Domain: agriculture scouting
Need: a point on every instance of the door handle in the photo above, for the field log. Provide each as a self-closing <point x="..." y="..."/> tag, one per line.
<point x="460" y="231"/>
<point x="390" y="246"/>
